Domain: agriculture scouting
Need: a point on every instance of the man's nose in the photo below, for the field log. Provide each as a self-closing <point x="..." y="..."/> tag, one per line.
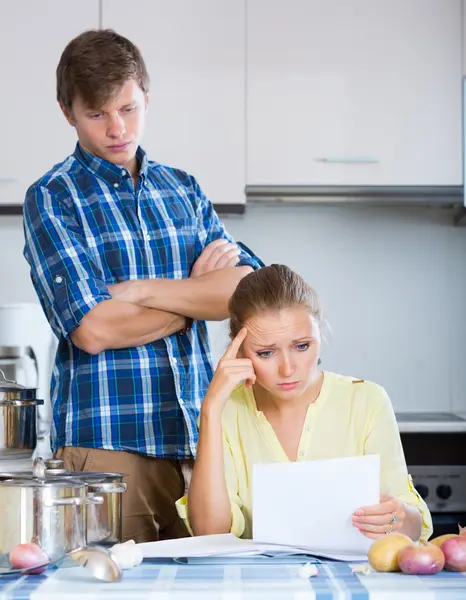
<point x="116" y="127"/>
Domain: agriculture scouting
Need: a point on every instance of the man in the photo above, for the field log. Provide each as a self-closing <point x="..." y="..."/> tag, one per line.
<point x="128" y="259"/>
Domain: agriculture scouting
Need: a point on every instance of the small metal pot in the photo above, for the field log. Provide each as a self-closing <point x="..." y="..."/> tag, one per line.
<point x="18" y="419"/>
<point x="50" y="513"/>
<point x="104" y="521"/>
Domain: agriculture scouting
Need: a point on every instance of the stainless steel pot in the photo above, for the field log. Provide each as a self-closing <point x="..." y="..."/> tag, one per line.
<point x="51" y="513"/>
<point x="18" y="419"/>
<point x="104" y="521"/>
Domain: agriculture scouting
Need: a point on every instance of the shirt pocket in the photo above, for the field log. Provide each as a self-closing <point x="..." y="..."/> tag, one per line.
<point x="173" y="246"/>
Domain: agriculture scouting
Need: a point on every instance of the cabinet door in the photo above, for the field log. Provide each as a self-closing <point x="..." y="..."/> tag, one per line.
<point x="195" y="55"/>
<point x="35" y="135"/>
<point x="366" y="92"/>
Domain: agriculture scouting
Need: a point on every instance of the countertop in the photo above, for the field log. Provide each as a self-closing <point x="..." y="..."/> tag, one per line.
<point x="253" y="580"/>
<point x="431" y="422"/>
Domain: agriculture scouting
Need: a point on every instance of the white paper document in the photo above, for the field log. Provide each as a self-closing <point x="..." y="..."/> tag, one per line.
<point x="204" y="545"/>
<point x="309" y="505"/>
<point x="224" y="545"/>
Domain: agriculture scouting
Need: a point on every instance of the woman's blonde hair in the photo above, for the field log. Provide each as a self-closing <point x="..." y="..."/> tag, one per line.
<point x="271" y="288"/>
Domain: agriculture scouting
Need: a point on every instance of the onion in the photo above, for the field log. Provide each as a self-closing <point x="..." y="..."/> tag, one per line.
<point x="383" y="554"/>
<point x="24" y="556"/>
<point x="421" y="558"/>
<point x="454" y="550"/>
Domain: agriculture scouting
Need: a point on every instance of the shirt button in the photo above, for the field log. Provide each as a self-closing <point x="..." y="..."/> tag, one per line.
<point x="58" y="279"/>
<point x="116" y="185"/>
<point x="174" y="361"/>
<point x="124" y="173"/>
<point x="181" y="400"/>
<point x="147" y="237"/>
<point x="301" y="453"/>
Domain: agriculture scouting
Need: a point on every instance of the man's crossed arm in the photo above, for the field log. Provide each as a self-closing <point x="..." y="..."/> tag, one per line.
<point x="145" y="310"/>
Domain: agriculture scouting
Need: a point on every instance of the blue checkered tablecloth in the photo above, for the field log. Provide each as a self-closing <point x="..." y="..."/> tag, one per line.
<point x="233" y="581"/>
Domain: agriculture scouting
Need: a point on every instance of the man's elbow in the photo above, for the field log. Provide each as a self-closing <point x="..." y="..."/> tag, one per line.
<point x="88" y="338"/>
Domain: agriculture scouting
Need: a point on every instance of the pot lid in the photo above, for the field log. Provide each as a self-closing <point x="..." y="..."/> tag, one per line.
<point x="41" y="483"/>
<point x="62" y="474"/>
<point x="7" y="385"/>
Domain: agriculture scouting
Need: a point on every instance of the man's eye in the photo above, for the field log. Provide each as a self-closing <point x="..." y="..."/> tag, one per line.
<point x="95" y="116"/>
<point x="129" y="109"/>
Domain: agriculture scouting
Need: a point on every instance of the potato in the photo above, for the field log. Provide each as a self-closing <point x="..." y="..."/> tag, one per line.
<point x="383" y="554"/>
<point x="438" y="541"/>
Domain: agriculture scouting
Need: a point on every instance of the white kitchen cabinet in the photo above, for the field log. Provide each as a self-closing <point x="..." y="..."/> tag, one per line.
<point x="366" y="92"/>
<point x="195" y="55"/>
<point x="35" y="135"/>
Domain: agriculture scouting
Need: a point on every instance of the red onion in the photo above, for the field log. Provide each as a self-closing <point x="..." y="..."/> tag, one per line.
<point x="24" y="556"/>
<point x="454" y="550"/>
<point x="421" y="558"/>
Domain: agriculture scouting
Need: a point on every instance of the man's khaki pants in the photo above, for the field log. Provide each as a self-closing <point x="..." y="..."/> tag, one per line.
<point x="154" y="485"/>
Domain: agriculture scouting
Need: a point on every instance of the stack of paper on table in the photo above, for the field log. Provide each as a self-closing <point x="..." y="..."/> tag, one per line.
<point x="298" y="508"/>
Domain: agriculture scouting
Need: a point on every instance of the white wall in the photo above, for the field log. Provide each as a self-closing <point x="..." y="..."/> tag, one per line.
<point x="393" y="282"/>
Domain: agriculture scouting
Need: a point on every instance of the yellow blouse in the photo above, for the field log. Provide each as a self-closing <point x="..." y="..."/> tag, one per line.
<point x="349" y="418"/>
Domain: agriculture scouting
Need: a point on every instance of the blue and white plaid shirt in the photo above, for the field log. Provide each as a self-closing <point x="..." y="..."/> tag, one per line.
<point x="87" y="228"/>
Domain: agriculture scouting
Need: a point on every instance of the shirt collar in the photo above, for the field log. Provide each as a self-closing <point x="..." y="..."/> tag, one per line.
<point x="109" y="172"/>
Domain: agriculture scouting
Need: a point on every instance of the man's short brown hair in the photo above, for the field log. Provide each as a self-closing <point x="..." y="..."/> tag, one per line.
<point x="95" y="65"/>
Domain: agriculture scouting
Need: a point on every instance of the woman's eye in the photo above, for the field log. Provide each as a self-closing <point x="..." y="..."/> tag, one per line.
<point x="302" y="347"/>
<point x="265" y="354"/>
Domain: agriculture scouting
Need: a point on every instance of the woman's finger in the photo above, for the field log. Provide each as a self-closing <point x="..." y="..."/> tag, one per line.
<point x="374" y="519"/>
<point x="235" y="344"/>
<point x="235" y="362"/>
<point x="367" y="527"/>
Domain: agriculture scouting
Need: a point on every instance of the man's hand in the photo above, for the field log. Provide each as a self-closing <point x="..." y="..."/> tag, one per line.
<point x="219" y="254"/>
<point x="127" y="291"/>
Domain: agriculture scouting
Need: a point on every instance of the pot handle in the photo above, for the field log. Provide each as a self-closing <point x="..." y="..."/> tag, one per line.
<point x="75" y="501"/>
<point x="107" y="487"/>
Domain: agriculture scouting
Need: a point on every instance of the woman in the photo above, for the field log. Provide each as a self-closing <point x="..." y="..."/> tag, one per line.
<point x="269" y="401"/>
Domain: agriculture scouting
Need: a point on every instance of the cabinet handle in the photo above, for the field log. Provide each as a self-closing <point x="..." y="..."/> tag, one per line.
<point x="350" y="160"/>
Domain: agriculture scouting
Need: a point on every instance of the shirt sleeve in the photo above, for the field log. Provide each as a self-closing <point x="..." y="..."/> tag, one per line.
<point x="210" y="228"/>
<point x="237" y="517"/>
<point x="383" y="438"/>
<point x="68" y="282"/>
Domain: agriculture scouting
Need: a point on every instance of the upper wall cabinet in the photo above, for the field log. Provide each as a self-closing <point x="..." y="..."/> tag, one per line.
<point x="366" y="92"/>
<point x="35" y="134"/>
<point x="195" y="54"/>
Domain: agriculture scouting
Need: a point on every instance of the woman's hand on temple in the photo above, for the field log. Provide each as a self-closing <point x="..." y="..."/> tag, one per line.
<point x="230" y="372"/>
<point x="380" y="519"/>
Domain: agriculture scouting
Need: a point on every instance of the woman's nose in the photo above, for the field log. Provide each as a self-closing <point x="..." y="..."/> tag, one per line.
<point x="286" y="367"/>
